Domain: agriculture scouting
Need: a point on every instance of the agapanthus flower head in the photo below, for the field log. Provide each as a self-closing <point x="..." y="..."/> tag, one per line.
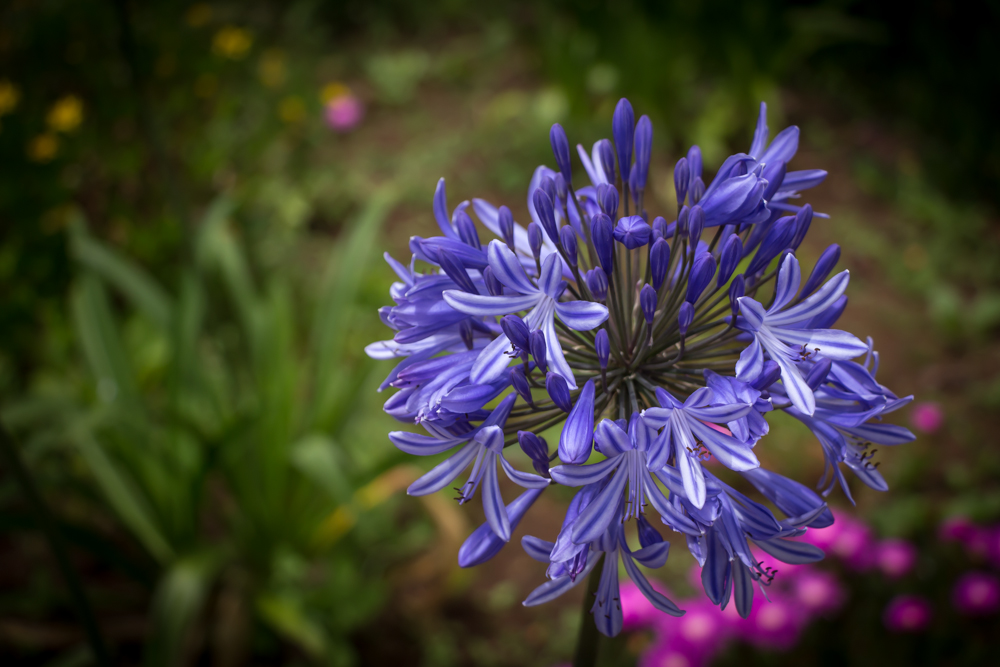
<point x="661" y="348"/>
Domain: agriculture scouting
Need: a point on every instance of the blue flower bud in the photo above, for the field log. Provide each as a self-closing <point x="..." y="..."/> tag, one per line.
<point x="493" y="286"/>
<point x="578" y="432"/>
<point x="694" y="163"/>
<point x="774" y="174"/>
<point x="648" y="536"/>
<point x="548" y="185"/>
<point x="685" y="317"/>
<point x="561" y="189"/>
<point x="729" y="258"/>
<point x="560" y="148"/>
<point x="558" y="390"/>
<point x="536" y="343"/>
<point x="453" y="268"/>
<point x="696" y="191"/>
<point x="659" y="228"/>
<point x="632" y="232"/>
<point x="597" y="283"/>
<point x="682" y="222"/>
<point x="682" y="179"/>
<point x="623" y="132"/>
<point x="696" y="224"/>
<point x="546" y="214"/>
<point x="483" y="544"/>
<point x="568" y="238"/>
<point x="465" y="332"/>
<point x="643" y="150"/>
<point x="516" y="331"/>
<point x="607" y="199"/>
<point x="520" y="384"/>
<point x="802" y="221"/>
<point x="817" y="374"/>
<point x="537" y="450"/>
<point x="602" y="346"/>
<point x="535" y="240"/>
<point x="647" y="302"/>
<point x="824" y="265"/>
<point x="467" y="229"/>
<point x="607" y="156"/>
<point x="777" y="239"/>
<point x="659" y="260"/>
<point x="701" y="275"/>
<point x="506" y="221"/>
<point x="736" y="290"/>
<point x="603" y="238"/>
<point x="768" y="375"/>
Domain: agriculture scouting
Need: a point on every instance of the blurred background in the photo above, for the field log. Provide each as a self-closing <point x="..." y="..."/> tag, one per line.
<point x="194" y="199"/>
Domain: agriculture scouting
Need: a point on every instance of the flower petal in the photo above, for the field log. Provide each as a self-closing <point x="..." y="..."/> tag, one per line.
<point x="491" y="362"/>
<point x="526" y="480"/>
<point x="577" y="436"/>
<point x="550" y="590"/>
<point x="789" y="278"/>
<point x="445" y="472"/>
<point x="422" y="445"/>
<point x="831" y="343"/>
<point x="612" y="439"/>
<point x="581" y="315"/>
<point x="599" y="514"/>
<point x="551" y="275"/>
<point x="483" y="544"/>
<point x="480" y="305"/>
<point x="554" y="352"/>
<point x="581" y="475"/>
<point x="493" y="505"/>
<point x="751" y="362"/>
<point x="752" y="311"/>
<point x="507" y="268"/>
<point x="822" y="299"/>
<point x="730" y="452"/>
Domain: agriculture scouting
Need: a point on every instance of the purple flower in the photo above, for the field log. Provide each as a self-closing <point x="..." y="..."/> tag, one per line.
<point x="818" y="592"/>
<point x="895" y="558"/>
<point x="976" y="594"/>
<point x="907" y="613"/>
<point x="927" y="417"/>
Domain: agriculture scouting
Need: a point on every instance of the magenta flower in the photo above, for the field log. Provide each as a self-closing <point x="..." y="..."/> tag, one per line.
<point x="895" y="558"/>
<point x="956" y="529"/>
<point x="637" y="611"/>
<point x="976" y="594"/>
<point x="344" y="112"/>
<point x="927" y="417"/>
<point x="848" y="539"/>
<point x="665" y="654"/>
<point x="774" y="624"/>
<point x="817" y="591"/>
<point x="907" y="613"/>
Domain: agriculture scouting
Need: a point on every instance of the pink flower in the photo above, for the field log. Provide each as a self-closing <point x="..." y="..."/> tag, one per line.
<point x="976" y="594"/>
<point x="956" y="528"/>
<point x="774" y="624"/>
<point x="817" y="591"/>
<point x="344" y="112"/>
<point x="848" y="539"/>
<point x="665" y="654"/>
<point x="637" y="612"/>
<point x="700" y="632"/>
<point x="927" y="417"/>
<point x="907" y="613"/>
<point x="895" y="557"/>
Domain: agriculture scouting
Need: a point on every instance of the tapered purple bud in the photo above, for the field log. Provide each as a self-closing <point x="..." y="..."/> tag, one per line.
<point x="465" y="332"/>
<point x="453" y="268"/>
<point x="560" y="148"/>
<point x="659" y="227"/>
<point x="603" y="238"/>
<point x="768" y="375"/>
<point x="682" y="221"/>
<point x="774" y="174"/>
<point x="606" y="153"/>
<point x="643" y="150"/>
<point x="516" y="331"/>
<point x="729" y="258"/>
<point x="696" y="224"/>
<point x="506" y="221"/>
<point x="520" y="384"/>
<point x="578" y="431"/>
<point x="546" y="214"/>
<point x="682" y="179"/>
<point x="561" y="190"/>
<point x="623" y="132"/>
<point x="701" y="275"/>
<point x="802" y="221"/>
<point x="777" y="239"/>
<point x="548" y="185"/>
<point x="536" y="343"/>
<point x="558" y="390"/>
<point x="568" y="238"/>
<point x="632" y="232"/>
<point x="648" y="536"/>
<point x="817" y="374"/>
<point x="659" y="260"/>
<point x="535" y="240"/>
<point x="736" y="290"/>
<point x="694" y="163"/>
<point x="493" y="286"/>
<point x="685" y="317"/>
<point x="597" y="283"/>
<point x="824" y="265"/>
<point x="466" y="229"/>
<point x="602" y="346"/>
<point x="483" y="544"/>
<point x="696" y="191"/>
<point x="607" y="199"/>
<point x="537" y="450"/>
<point x="647" y="301"/>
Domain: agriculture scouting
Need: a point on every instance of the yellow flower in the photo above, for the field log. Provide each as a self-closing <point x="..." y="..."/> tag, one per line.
<point x="198" y="15"/>
<point x="292" y="109"/>
<point x="43" y="147"/>
<point x="232" y="42"/>
<point x="333" y="90"/>
<point x="272" y="68"/>
<point x="66" y="114"/>
<point x="9" y="97"/>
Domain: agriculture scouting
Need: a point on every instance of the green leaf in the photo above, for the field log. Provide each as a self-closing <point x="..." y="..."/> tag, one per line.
<point x="178" y="601"/>
<point x="285" y="614"/>
<point x="317" y="457"/>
